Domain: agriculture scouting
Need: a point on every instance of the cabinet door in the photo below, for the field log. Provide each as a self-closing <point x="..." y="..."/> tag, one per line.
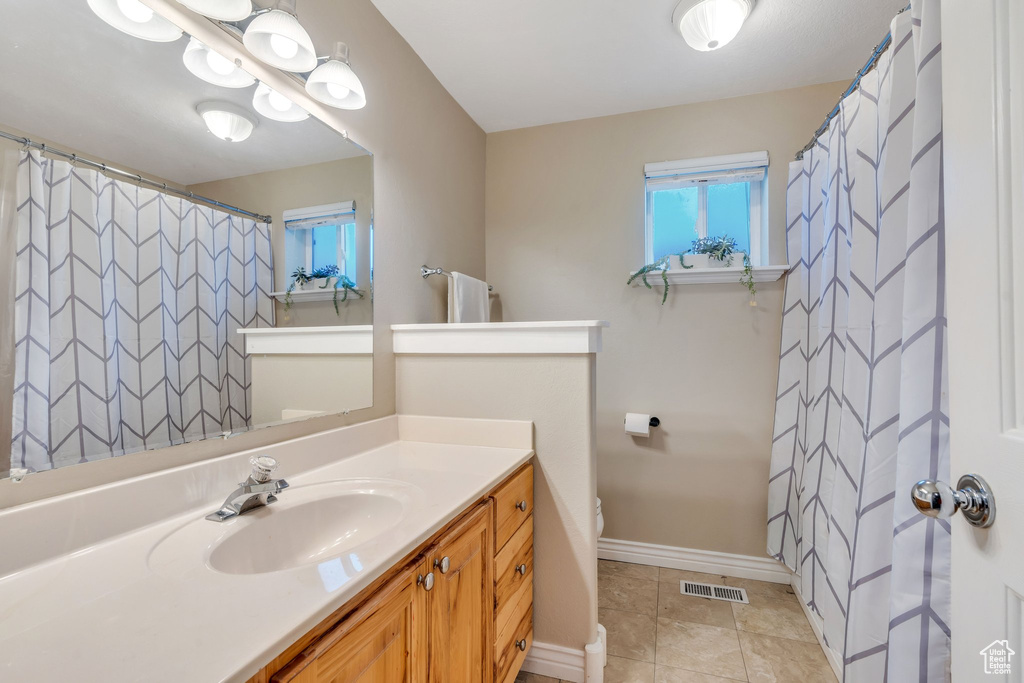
<point x="462" y="602"/>
<point x="385" y="641"/>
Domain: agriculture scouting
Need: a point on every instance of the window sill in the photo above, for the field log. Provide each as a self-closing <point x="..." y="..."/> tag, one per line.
<point x="711" y="276"/>
<point x="304" y="295"/>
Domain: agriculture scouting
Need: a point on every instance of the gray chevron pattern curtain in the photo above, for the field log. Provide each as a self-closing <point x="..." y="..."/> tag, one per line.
<point x="128" y="302"/>
<point x="861" y="409"/>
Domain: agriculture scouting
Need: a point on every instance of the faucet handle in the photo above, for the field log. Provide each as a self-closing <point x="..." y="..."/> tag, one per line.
<point x="262" y="467"/>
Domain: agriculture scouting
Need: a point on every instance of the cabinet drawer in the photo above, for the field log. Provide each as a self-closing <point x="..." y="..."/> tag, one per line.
<point x="513" y="503"/>
<point x="516" y="554"/>
<point x="515" y="624"/>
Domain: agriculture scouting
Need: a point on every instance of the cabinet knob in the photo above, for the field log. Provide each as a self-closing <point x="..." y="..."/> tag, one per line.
<point x="521" y="505"/>
<point x="521" y="644"/>
<point x="443" y="564"/>
<point x="521" y="569"/>
<point x="426" y="581"/>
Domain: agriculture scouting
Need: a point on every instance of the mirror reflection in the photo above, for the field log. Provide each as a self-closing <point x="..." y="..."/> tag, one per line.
<point x="187" y="253"/>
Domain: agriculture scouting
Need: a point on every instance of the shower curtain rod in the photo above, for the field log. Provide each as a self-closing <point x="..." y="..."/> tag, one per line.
<point x="110" y="170"/>
<point x="863" y="71"/>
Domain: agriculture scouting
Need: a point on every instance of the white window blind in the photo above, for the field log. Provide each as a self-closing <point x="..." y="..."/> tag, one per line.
<point x="723" y="168"/>
<point x="315" y="216"/>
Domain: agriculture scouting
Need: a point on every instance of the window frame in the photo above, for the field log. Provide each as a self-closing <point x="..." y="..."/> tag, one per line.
<point x="305" y="220"/>
<point x="703" y="172"/>
<point x="342" y="256"/>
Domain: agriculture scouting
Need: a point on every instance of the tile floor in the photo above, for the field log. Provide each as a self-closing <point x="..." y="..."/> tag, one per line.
<point x="657" y="635"/>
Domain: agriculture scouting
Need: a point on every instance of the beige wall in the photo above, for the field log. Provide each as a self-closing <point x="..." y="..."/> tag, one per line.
<point x="557" y="394"/>
<point x="429" y="160"/>
<point x="275" y="192"/>
<point x="565" y="226"/>
<point x="328" y="384"/>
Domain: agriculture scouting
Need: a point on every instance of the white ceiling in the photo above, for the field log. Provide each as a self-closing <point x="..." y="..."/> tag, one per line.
<point x="71" y="79"/>
<point x="523" y="63"/>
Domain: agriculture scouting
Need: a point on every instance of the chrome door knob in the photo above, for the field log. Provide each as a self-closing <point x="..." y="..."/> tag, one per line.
<point x="972" y="497"/>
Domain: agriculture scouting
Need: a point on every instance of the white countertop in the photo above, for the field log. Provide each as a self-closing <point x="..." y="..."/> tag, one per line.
<point x="112" y="612"/>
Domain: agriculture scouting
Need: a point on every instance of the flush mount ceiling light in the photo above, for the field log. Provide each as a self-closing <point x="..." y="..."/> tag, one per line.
<point x="135" y="19"/>
<point x="276" y="106"/>
<point x="213" y="67"/>
<point x="222" y="10"/>
<point x="227" y="121"/>
<point x="335" y="84"/>
<point x="710" y="24"/>
<point x="277" y="38"/>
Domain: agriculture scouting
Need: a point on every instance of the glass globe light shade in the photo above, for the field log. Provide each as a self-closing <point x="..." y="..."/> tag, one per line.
<point x="710" y="24"/>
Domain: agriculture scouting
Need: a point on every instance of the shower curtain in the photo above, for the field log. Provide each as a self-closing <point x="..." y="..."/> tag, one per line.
<point x="861" y="410"/>
<point x="127" y="306"/>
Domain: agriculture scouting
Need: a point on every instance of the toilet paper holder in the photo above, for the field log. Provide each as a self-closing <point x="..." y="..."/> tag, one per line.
<point x="654" y="422"/>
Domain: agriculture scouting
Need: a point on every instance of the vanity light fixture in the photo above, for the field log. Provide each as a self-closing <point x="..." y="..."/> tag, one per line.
<point x="710" y="24"/>
<point x="214" y="68"/>
<point x="276" y="106"/>
<point x="276" y="37"/>
<point x="221" y="10"/>
<point x="335" y="84"/>
<point x="227" y="121"/>
<point x="135" y="19"/>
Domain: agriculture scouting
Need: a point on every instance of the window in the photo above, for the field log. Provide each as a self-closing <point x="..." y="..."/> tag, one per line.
<point x="319" y="236"/>
<point x="710" y="197"/>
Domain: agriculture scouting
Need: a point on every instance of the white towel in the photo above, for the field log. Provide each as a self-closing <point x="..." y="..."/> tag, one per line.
<point x="467" y="300"/>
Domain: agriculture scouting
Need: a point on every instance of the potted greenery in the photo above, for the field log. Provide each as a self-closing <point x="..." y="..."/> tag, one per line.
<point x="719" y="252"/>
<point x="705" y="252"/>
<point x="321" y="278"/>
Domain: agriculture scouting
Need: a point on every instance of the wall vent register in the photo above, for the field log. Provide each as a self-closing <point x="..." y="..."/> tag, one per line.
<point x="708" y="590"/>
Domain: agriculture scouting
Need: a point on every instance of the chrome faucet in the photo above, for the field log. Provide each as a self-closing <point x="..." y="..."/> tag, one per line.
<point x="257" y="491"/>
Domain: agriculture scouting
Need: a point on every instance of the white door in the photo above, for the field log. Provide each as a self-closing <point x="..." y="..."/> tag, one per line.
<point x="983" y="122"/>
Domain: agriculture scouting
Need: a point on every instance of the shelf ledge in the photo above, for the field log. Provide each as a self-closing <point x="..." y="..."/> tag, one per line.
<point x="304" y="295"/>
<point x="711" y="276"/>
<point x="338" y="340"/>
<point x="548" y="337"/>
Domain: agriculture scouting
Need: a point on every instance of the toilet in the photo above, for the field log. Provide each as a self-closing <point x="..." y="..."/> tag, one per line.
<point x="600" y="519"/>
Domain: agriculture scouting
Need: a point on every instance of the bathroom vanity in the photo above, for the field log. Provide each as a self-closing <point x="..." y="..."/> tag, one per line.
<point x="400" y="546"/>
<point x="457" y="609"/>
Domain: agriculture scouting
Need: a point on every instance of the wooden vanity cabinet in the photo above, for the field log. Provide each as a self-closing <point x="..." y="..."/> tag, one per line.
<point x="384" y="641"/>
<point x="513" y="575"/>
<point x="461" y="603"/>
<point x="457" y="610"/>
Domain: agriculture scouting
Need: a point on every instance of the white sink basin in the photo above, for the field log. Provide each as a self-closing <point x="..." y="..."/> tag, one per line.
<point x="306" y="526"/>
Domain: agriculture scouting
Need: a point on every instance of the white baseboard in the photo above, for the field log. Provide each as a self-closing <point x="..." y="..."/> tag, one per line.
<point x="556" y="661"/>
<point x="689" y="559"/>
<point x="834" y="658"/>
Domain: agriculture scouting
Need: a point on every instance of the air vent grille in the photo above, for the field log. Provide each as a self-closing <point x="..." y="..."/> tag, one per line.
<point x="707" y="590"/>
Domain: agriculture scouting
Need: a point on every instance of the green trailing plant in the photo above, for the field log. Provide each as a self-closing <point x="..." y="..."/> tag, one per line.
<point x="747" y="279"/>
<point x="659" y="265"/>
<point x="330" y="275"/>
<point x="299" y="277"/>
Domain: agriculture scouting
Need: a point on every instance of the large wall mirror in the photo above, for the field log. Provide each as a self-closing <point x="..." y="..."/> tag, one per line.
<point x="184" y="260"/>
